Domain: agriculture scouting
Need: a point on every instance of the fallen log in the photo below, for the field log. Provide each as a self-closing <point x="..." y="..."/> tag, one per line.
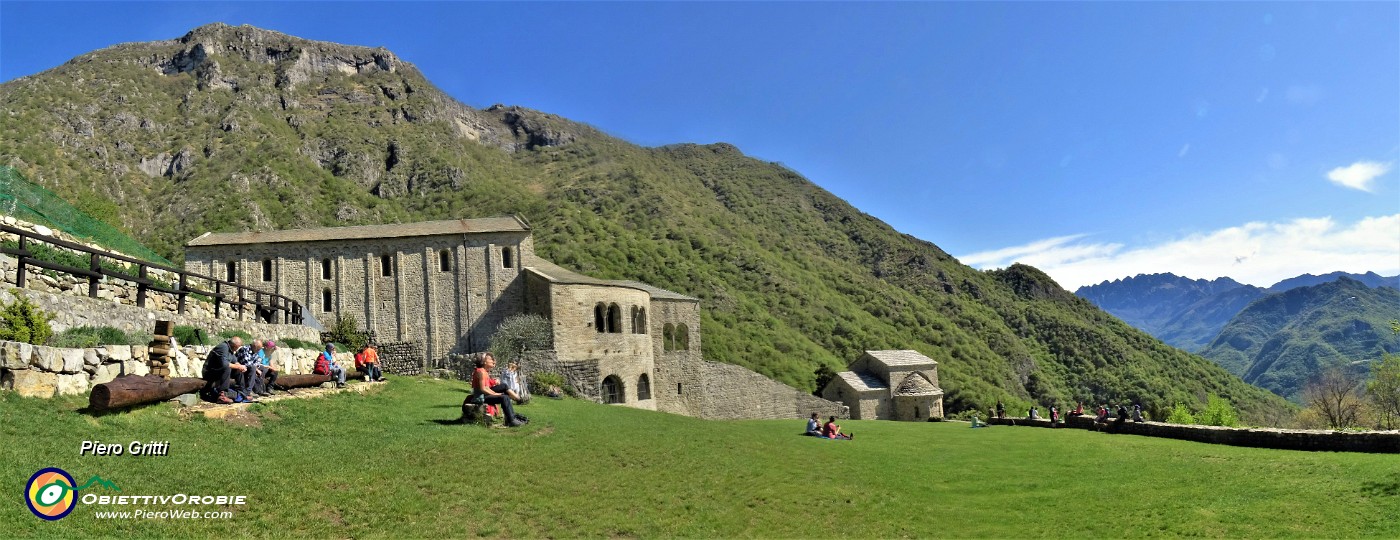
<point x="310" y="379"/>
<point x="132" y="390"/>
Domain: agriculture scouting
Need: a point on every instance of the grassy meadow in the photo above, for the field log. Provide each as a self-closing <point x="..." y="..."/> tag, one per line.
<point x="393" y="464"/>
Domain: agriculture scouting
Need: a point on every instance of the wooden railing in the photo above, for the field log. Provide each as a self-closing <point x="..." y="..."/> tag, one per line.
<point x="267" y="307"/>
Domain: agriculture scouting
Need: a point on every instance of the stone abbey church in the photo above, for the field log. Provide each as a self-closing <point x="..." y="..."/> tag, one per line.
<point x="447" y="285"/>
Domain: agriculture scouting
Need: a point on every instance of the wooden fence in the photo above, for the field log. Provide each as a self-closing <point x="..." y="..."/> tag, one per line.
<point x="267" y="307"/>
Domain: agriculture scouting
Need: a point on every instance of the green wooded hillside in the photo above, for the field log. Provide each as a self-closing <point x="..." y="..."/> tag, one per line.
<point x="230" y="129"/>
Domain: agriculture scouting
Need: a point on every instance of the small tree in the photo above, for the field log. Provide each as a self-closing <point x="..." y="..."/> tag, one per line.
<point x="1334" y="395"/>
<point x="824" y="374"/>
<point x="1219" y="413"/>
<point x="1384" y="390"/>
<point x="520" y="333"/>
<point x="24" y="322"/>
<point x="1181" y="415"/>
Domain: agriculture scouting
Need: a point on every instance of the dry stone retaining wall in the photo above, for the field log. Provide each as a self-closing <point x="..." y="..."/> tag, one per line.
<point x="1282" y="439"/>
<point x="45" y="372"/>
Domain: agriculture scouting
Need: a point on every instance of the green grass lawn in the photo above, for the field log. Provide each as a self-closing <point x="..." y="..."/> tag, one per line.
<point x="390" y="464"/>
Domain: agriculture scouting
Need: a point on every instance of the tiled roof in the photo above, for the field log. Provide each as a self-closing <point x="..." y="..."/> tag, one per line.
<point x="916" y="385"/>
<point x="902" y="358"/>
<point x="558" y="274"/>
<point x="863" y="381"/>
<point x="367" y="232"/>
<point x="658" y="292"/>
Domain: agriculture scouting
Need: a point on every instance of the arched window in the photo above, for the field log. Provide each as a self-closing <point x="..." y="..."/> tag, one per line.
<point x="600" y="318"/>
<point x="682" y="338"/>
<point x="639" y="320"/>
<point x="267" y="269"/>
<point x="643" y="387"/>
<point x="668" y="339"/>
<point x="614" y="319"/>
<point x="386" y="265"/>
<point x="612" y="390"/>
<point x="506" y="259"/>
<point x="444" y="261"/>
<point x="231" y="272"/>
<point x="325" y="268"/>
<point x="325" y="300"/>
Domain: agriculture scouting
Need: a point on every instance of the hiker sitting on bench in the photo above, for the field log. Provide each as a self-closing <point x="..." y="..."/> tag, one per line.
<point x="494" y="395"/>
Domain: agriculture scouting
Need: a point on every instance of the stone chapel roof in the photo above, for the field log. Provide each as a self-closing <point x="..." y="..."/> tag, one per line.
<point x="863" y="381"/>
<point x="367" y="232"/>
<point x="916" y="385"/>
<point x="558" y="274"/>
<point x="904" y="358"/>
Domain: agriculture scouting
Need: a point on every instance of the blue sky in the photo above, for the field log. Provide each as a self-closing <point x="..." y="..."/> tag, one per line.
<point x="1093" y="140"/>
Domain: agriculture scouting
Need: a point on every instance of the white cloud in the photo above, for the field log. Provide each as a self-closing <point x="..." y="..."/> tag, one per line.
<point x="1358" y="175"/>
<point x="1256" y="253"/>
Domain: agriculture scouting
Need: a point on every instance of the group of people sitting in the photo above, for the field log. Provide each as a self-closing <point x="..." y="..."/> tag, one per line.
<point x="234" y="372"/>
<point x="505" y="393"/>
<point x="829" y="430"/>
<point x="366" y="362"/>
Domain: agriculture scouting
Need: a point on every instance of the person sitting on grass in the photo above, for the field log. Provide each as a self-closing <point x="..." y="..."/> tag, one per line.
<point x="833" y="431"/>
<point x="218" y="367"/>
<point x="325" y="365"/>
<point x="977" y="422"/>
<point x="814" y="426"/>
<point x="494" y="395"/>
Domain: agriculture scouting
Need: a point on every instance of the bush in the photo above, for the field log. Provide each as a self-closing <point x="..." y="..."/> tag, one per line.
<point x="1181" y="415"/>
<point x="24" y="322"/>
<point x="293" y="343"/>
<point x="84" y="337"/>
<point x="228" y="334"/>
<point x="191" y="335"/>
<point x="540" y="383"/>
<point x="345" y="333"/>
<point x="1219" y="413"/>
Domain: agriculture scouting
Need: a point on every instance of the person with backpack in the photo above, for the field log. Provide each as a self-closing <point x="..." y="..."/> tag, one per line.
<point x="325" y="365"/>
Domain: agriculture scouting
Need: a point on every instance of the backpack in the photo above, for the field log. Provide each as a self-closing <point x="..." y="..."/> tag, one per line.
<point x="323" y="366"/>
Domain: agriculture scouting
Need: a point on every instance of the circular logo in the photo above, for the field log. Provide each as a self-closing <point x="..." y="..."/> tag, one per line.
<point x="50" y="494"/>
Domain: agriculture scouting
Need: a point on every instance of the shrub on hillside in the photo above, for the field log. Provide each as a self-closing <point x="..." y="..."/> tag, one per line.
<point x="24" y="322"/>
<point x="1219" y="413"/>
<point x="1181" y="415"/>
<point x="84" y="337"/>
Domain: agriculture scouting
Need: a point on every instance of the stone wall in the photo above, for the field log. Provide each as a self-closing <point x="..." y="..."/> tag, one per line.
<point x="401" y="358"/>
<point x="45" y="372"/>
<point x="72" y="311"/>
<point x="1282" y="439"/>
<point x="451" y="311"/>
<point x="728" y="391"/>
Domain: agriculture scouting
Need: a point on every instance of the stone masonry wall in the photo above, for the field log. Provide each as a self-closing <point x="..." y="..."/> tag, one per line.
<point x="1282" y="439"/>
<point x="731" y="392"/>
<point x="449" y="312"/>
<point x="45" y="372"/>
<point x="72" y="311"/>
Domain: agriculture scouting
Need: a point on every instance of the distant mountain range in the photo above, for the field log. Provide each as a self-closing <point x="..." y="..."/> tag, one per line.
<point x="1189" y="314"/>
<point x="1275" y="338"/>
<point x="1282" y="339"/>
